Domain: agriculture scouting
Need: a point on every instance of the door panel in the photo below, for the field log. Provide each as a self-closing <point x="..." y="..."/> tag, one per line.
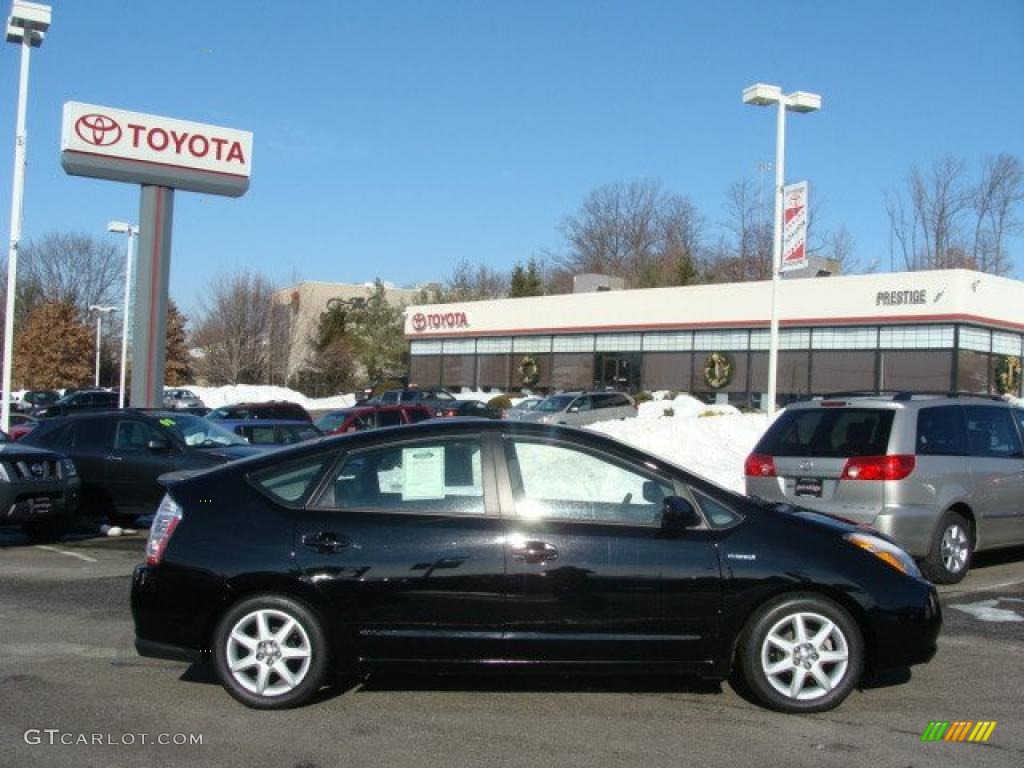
<point x="588" y="564"/>
<point x="997" y="473"/>
<point x="406" y="543"/>
<point x="132" y="468"/>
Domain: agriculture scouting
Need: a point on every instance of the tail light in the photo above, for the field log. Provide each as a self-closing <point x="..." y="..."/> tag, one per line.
<point x="759" y="465"/>
<point x="878" y="467"/>
<point x="168" y="515"/>
<point x="448" y="412"/>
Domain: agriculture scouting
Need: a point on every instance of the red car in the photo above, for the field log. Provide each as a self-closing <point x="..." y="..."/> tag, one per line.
<point x="363" y="417"/>
<point x="21" y="425"/>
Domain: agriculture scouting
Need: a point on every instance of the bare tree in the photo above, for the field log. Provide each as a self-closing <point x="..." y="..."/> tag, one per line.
<point x="638" y="231"/>
<point x="470" y="283"/>
<point x="73" y="268"/>
<point x="233" y="330"/>
<point x="995" y="201"/>
<point x="745" y="252"/>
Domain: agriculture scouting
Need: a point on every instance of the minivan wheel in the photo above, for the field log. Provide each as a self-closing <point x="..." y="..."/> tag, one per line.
<point x="801" y="654"/>
<point x="952" y="550"/>
<point x="270" y="652"/>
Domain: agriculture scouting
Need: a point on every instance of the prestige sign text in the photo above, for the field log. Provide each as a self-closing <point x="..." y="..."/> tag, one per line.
<point x="896" y="298"/>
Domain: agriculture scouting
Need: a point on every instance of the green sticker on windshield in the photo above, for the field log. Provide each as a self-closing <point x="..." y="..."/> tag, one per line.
<point x="167" y="422"/>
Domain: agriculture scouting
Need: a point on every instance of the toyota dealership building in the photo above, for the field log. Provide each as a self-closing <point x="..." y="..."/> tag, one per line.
<point x="915" y="331"/>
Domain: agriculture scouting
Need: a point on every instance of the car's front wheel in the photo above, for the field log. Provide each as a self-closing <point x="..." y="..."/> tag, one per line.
<point x="271" y="652"/>
<point x="801" y="654"/>
<point x="952" y="550"/>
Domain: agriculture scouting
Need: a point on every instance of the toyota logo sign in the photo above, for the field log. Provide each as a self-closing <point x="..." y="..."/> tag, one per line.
<point x="419" y="321"/>
<point x="98" y="130"/>
<point x="439" y="321"/>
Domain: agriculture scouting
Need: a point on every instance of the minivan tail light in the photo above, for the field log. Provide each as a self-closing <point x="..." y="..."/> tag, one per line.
<point x="878" y="467"/>
<point x="759" y="465"/>
<point x="168" y="515"/>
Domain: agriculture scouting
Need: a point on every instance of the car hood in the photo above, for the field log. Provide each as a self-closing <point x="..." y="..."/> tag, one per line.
<point x="14" y="451"/>
<point x="839" y="525"/>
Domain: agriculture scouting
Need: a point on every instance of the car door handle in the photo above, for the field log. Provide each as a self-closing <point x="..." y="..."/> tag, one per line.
<point x="534" y="551"/>
<point x="325" y="542"/>
<point x="115" y="458"/>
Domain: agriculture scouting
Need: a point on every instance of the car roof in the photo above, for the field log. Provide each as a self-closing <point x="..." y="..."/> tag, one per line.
<point x="890" y="400"/>
<point x="264" y="422"/>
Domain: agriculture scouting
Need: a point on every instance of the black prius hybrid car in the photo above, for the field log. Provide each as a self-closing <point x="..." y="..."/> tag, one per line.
<point x="470" y="544"/>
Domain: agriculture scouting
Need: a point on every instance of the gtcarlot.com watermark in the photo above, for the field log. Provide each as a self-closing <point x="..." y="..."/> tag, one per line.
<point x="57" y="737"/>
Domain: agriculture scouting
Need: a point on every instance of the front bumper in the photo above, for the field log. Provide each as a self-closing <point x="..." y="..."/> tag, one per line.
<point x="32" y="501"/>
<point x="909" y="635"/>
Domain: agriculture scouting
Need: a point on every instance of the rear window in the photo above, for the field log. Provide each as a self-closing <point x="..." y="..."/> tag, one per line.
<point x="941" y="431"/>
<point x="291" y="483"/>
<point x="828" y="432"/>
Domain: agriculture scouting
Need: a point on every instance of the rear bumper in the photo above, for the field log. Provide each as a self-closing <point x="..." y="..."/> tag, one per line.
<point x="173" y="613"/>
<point x="154" y="650"/>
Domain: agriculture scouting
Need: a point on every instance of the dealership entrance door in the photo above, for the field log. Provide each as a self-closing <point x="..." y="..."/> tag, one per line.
<point x="617" y="370"/>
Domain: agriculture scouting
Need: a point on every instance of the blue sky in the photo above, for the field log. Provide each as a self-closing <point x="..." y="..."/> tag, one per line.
<point x="393" y="139"/>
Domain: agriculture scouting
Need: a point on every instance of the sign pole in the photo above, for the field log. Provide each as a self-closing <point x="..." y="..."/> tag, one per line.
<point x="156" y="214"/>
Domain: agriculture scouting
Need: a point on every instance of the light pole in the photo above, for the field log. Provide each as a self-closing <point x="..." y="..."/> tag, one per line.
<point x="132" y="231"/>
<point x="27" y="27"/>
<point x="762" y="95"/>
<point x="100" y="311"/>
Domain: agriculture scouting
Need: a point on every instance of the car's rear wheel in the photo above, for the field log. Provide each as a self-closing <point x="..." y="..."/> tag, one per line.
<point x="952" y="550"/>
<point x="801" y="654"/>
<point x="271" y="652"/>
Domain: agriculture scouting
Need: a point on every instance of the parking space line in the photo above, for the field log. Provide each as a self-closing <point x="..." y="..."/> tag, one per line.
<point x="968" y="590"/>
<point x="79" y="555"/>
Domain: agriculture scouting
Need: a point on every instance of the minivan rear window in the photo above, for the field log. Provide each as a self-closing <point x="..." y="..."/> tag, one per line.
<point x="828" y="432"/>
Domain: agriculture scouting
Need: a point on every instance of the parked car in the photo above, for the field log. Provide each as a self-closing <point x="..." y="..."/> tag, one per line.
<point x="363" y="417"/>
<point x="458" y="544"/>
<point x="942" y="475"/>
<point x="272" y="409"/>
<point x="35" y="398"/>
<point x="39" y="489"/>
<point x="120" y="454"/>
<point x="82" y="399"/>
<point x="524" y="406"/>
<point x="272" y="431"/>
<point x="21" y="425"/>
<point x="471" y="408"/>
<point x="435" y="398"/>
<point x="181" y="398"/>
<point x="579" y="408"/>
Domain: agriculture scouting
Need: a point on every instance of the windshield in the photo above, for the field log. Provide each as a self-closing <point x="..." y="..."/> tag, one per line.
<point x="197" y="431"/>
<point x="529" y="404"/>
<point x="555" y="403"/>
<point x="330" y="421"/>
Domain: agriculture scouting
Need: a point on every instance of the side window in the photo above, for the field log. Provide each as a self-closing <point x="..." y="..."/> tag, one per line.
<point x="583" y="403"/>
<point x="941" y="431"/>
<point x="391" y="396"/>
<point x="438" y="476"/>
<point x="92" y="434"/>
<point x="61" y="436"/>
<point x="558" y="482"/>
<point x="1018" y="414"/>
<point x="717" y="514"/>
<point x="259" y="435"/>
<point x="991" y="432"/>
<point x="388" y="418"/>
<point x="291" y="483"/>
<point x="135" y="436"/>
<point x="416" y="415"/>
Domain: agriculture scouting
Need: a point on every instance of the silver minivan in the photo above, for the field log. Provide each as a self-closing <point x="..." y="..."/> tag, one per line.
<point x="578" y="408"/>
<point x="943" y="475"/>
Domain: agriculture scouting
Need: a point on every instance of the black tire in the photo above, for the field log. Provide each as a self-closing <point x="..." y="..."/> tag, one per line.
<point x="756" y="654"/>
<point x="47" y="530"/>
<point x="952" y="551"/>
<point x="308" y="636"/>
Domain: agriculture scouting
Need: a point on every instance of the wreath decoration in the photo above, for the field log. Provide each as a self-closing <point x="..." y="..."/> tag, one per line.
<point x="718" y="369"/>
<point x="1008" y="369"/>
<point x="529" y="371"/>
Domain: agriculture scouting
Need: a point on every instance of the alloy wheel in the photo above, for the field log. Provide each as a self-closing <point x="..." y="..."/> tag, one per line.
<point x="268" y="652"/>
<point x="804" y="656"/>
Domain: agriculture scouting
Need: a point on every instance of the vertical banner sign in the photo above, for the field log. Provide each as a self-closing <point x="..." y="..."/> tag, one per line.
<point x="794" y="232"/>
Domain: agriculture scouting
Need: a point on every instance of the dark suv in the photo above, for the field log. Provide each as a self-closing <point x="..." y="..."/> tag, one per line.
<point x="434" y="398"/>
<point x="943" y="475"/>
<point x="77" y="401"/>
<point x="120" y="454"/>
<point x="38" y="489"/>
<point x="274" y="409"/>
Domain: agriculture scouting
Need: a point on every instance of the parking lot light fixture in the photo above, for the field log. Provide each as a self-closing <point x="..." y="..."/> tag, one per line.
<point x="26" y="27"/>
<point x="124" y="228"/>
<point x="761" y="95"/>
<point x="100" y="311"/>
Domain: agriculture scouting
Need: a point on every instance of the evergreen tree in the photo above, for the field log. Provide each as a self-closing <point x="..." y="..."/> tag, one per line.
<point x="526" y="281"/>
<point x="53" y="350"/>
<point x="178" y="364"/>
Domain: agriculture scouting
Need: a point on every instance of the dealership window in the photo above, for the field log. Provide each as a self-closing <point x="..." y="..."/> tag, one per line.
<point x="618" y="342"/>
<point x="915" y="370"/>
<point x="458" y="346"/>
<point x="1006" y="343"/>
<point x="677" y="341"/>
<point x="459" y="371"/>
<point x="494" y="345"/>
<point x="572" y="371"/>
<point x="494" y="370"/>
<point x="425" y="348"/>
<point x="531" y="344"/>
<point x="667" y="370"/>
<point x="720" y="340"/>
<point x="972" y="372"/>
<point x="793" y="370"/>
<point x="846" y="371"/>
<point x="425" y="370"/>
<point x="577" y="343"/>
<point x="977" y="339"/>
<point x="844" y="338"/>
<point x="789" y="338"/>
<point x="916" y="337"/>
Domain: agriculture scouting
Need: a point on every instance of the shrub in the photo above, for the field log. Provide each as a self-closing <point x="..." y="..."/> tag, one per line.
<point x="671" y="395"/>
<point x="669" y="412"/>
<point x="501" y="402"/>
<point x="642" y="396"/>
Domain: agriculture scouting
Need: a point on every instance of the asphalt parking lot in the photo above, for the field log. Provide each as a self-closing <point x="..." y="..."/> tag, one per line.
<point x="68" y="672"/>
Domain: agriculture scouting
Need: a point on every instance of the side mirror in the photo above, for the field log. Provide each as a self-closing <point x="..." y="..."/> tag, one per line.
<point x="158" y="446"/>
<point x="678" y="515"/>
<point x="574" y="409"/>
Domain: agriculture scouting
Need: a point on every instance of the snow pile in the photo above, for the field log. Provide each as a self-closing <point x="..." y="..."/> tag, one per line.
<point x="215" y="397"/>
<point x="710" y="440"/>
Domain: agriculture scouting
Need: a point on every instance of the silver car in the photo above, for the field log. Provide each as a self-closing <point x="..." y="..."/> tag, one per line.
<point x="942" y="475"/>
<point x="181" y="399"/>
<point x="578" y="408"/>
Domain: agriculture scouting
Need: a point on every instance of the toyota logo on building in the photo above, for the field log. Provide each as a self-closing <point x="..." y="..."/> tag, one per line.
<point x="98" y="130"/>
<point x="419" y="321"/>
